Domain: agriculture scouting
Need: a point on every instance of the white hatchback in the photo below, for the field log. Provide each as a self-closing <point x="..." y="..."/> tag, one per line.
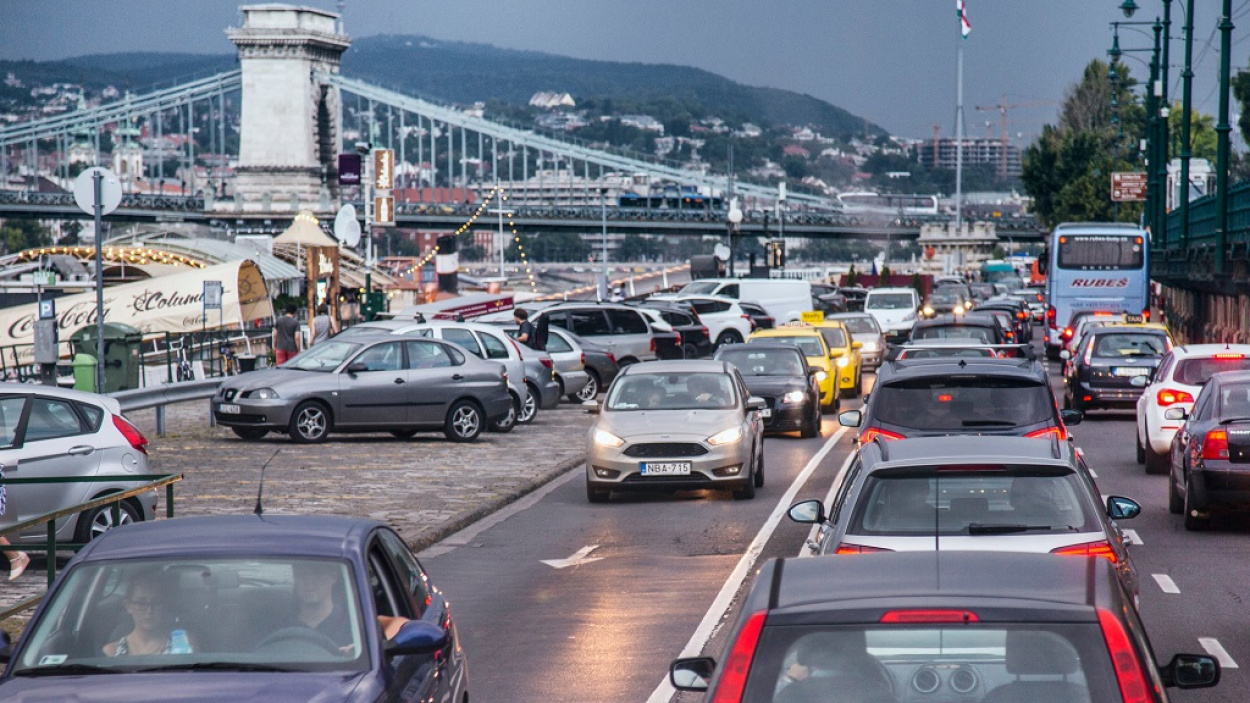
<point x="1175" y="384"/>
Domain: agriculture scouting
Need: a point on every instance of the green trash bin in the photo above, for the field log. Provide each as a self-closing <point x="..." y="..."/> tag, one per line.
<point x="84" y="372"/>
<point x="122" y="344"/>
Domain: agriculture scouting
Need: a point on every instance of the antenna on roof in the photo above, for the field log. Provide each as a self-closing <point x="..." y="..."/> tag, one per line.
<point x="260" y="492"/>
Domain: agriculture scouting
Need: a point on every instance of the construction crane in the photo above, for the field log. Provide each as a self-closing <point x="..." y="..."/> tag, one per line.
<point x="1003" y="108"/>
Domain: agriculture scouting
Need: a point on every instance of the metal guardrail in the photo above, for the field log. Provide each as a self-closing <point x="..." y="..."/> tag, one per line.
<point x="160" y="396"/>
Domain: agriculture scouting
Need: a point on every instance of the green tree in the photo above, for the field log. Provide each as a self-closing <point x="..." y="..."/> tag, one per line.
<point x="1203" y="139"/>
<point x="19" y="235"/>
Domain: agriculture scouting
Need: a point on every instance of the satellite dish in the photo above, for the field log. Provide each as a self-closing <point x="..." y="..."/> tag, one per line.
<point x="720" y="251"/>
<point x="110" y="190"/>
<point x="346" y="226"/>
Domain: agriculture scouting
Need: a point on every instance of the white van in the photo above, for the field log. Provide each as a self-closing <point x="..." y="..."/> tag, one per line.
<point x="786" y="300"/>
<point x="894" y="310"/>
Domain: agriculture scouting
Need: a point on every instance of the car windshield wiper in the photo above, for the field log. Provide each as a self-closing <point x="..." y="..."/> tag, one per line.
<point x="988" y="423"/>
<point x="216" y="666"/>
<point x="978" y="528"/>
<point x="66" y="670"/>
<point x="1139" y="353"/>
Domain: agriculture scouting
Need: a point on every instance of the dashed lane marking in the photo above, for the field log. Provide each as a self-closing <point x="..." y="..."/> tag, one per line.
<point x="1166" y="583"/>
<point x="1133" y="537"/>
<point x="1215" y="649"/>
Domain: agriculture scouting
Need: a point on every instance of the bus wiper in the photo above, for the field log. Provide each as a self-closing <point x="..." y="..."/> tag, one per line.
<point x="978" y="528"/>
<point x="988" y="423"/>
<point x="65" y="670"/>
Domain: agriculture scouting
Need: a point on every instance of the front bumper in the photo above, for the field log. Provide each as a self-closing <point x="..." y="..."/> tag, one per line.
<point x="275" y="413"/>
<point x="786" y="417"/>
<point x="718" y="467"/>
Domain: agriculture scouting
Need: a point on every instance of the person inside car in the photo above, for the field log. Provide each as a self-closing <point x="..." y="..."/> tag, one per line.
<point x="153" y="630"/>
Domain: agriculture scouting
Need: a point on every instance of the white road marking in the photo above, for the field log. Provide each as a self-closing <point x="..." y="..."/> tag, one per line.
<point x="1132" y="537"/>
<point x="1166" y="583"/>
<point x="579" y="557"/>
<point x="715" y="615"/>
<point x="1215" y="649"/>
<point x="1092" y="474"/>
<point x="467" y="535"/>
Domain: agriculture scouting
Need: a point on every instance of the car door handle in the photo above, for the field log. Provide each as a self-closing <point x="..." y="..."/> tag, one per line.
<point x="398" y="381"/>
<point x="81" y="450"/>
<point x="457" y="377"/>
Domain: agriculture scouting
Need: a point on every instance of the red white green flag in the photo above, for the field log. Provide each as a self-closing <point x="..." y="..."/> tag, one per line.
<point x="965" y="27"/>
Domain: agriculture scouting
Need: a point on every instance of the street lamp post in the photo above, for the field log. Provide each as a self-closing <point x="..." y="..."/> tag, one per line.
<point x="1187" y="99"/>
<point x="1154" y="187"/>
<point x="1222" y="129"/>
<point x="603" y="206"/>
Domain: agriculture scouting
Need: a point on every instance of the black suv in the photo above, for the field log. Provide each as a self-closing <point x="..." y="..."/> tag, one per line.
<point x="983" y="329"/>
<point x="943" y="396"/>
<point x="1105" y="362"/>
<point x="990" y="627"/>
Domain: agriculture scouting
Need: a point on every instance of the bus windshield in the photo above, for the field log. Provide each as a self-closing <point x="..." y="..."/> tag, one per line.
<point x="1100" y="252"/>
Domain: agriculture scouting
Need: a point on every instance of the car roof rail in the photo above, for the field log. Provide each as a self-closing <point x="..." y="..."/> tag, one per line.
<point x="885" y="453"/>
<point x="1054" y="446"/>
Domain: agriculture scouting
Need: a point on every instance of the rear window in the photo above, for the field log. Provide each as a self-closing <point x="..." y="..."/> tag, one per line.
<point x="1196" y="372"/>
<point x="963" y="403"/>
<point x="860" y="325"/>
<point x="1130" y="344"/>
<point x="810" y="346"/>
<point x="1087" y="252"/>
<point x="990" y="500"/>
<point x="983" y="335"/>
<point x="889" y="301"/>
<point x="1032" y="662"/>
<point x="946" y="296"/>
<point x="704" y="307"/>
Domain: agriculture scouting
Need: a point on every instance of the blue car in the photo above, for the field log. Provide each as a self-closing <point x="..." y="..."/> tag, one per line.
<point x="241" y="608"/>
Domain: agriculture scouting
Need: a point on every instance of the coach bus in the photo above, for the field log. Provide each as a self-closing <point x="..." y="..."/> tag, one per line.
<point x="1094" y="266"/>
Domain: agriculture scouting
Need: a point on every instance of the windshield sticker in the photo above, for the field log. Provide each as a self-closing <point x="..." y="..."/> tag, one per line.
<point x="52" y="659"/>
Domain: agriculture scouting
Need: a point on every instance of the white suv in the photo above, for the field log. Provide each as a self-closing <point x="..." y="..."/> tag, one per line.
<point x="1175" y="384"/>
<point x="726" y="321"/>
<point x="894" y="309"/>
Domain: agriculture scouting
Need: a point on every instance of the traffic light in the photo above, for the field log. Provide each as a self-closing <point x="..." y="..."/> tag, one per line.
<point x="775" y="253"/>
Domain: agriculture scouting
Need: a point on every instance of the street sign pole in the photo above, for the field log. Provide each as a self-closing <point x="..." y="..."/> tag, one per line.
<point x="97" y="183"/>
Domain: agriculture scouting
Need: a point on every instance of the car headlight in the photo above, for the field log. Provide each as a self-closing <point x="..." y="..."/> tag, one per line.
<point x="959" y="309"/>
<point x="870" y="346"/>
<point x="606" y="439"/>
<point x="729" y="436"/>
<point x="928" y="311"/>
<point x="843" y="361"/>
<point x="264" y="394"/>
<point x="821" y="375"/>
<point x="794" y="397"/>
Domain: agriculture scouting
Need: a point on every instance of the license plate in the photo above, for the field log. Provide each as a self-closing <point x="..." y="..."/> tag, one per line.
<point x="766" y="413"/>
<point x="1130" y="371"/>
<point x="229" y="409"/>
<point x="666" y="468"/>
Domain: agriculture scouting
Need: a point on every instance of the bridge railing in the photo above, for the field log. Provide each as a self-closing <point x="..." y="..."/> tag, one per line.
<point x="132" y="201"/>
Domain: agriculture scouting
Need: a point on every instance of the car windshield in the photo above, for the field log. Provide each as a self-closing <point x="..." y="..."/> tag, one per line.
<point x="809" y="345"/>
<point x="673" y="391"/>
<point x="834" y="337"/>
<point x="972" y="332"/>
<point x="977" y="500"/>
<point x="212" y="614"/>
<point x="1196" y="372"/>
<point x="963" y="403"/>
<point x="889" y="301"/>
<point x="1130" y="344"/>
<point x="326" y="356"/>
<point x="1062" y="661"/>
<point x="946" y="296"/>
<point x="769" y="362"/>
<point x="859" y="325"/>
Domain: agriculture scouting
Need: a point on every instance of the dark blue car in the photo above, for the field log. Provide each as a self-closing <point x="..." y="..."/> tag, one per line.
<point x="242" y="608"/>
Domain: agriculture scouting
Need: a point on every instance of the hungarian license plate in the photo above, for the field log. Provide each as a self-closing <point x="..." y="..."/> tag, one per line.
<point x="228" y="409"/>
<point x="766" y="413"/>
<point x="666" y="468"/>
<point x="1130" y="371"/>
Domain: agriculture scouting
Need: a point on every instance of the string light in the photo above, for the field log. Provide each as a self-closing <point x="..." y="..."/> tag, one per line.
<point x="131" y="255"/>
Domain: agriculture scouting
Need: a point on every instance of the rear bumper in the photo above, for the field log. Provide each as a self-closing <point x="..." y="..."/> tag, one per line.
<point x="1221" y="485"/>
<point x="1106" y="397"/>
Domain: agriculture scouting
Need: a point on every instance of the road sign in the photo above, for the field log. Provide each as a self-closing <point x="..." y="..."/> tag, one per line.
<point x="346" y="226"/>
<point x="212" y="295"/>
<point x="384" y="211"/>
<point x="110" y="191"/>
<point x="383" y="169"/>
<point x="1128" y="186"/>
<point x="349" y="169"/>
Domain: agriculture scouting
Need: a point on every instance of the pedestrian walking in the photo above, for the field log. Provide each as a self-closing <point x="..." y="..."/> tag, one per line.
<point x="323" y="326"/>
<point x="18" y="561"/>
<point x="286" y="337"/>
<point x="526" y="333"/>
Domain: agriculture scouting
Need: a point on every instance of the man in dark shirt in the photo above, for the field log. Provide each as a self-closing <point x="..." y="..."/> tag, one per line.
<point x="286" y="336"/>
<point x="316" y="607"/>
<point x="526" y="334"/>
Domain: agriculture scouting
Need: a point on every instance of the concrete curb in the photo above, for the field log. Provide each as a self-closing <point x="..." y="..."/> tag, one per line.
<point x="458" y="523"/>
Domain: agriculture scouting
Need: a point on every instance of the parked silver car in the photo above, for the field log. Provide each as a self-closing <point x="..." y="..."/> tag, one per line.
<point x="676" y="425"/>
<point x="50" y="432"/>
<point x="368" y="384"/>
<point x="620" y="328"/>
<point x="569" y="362"/>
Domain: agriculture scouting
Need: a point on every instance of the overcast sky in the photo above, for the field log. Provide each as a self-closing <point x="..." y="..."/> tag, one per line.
<point x="892" y="61"/>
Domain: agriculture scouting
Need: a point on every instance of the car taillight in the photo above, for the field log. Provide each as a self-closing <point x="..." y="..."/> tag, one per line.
<point x="1167" y="396"/>
<point x="1060" y="433"/>
<point x="1067" y="334"/>
<point x="1020" y="316"/>
<point x="923" y="617"/>
<point x="848" y="548"/>
<point x="583" y="359"/>
<point x="611" y="357"/>
<point x="1215" y="446"/>
<point x="1128" y="669"/>
<point x="547" y="362"/>
<point x="516" y="347"/>
<point x="1101" y="548"/>
<point x="733" y="678"/>
<point x="1050" y="317"/>
<point x="139" y="442"/>
<point x="707" y="333"/>
<point x="1229" y="356"/>
<point x="871" y="433"/>
<point x="653" y="345"/>
<point x="679" y="339"/>
<point x="1089" y="353"/>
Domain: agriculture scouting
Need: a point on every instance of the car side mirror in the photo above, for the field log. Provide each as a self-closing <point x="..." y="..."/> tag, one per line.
<point x="692" y="674"/>
<point x="756" y="404"/>
<point x="1120" y="508"/>
<point x="850" y="418"/>
<point x="1191" y="671"/>
<point x="1071" y="417"/>
<point x="1175" y="414"/>
<point x="592" y="406"/>
<point x="857" y="345"/>
<point x="416" y="637"/>
<point x="1065" y="355"/>
<point x="357" y="367"/>
<point x="1139" y="381"/>
<point x="807" y="512"/>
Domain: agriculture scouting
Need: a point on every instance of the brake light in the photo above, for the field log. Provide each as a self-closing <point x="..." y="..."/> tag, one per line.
<point x="1128" y="670"/>
<point x="140" y="443"/>
<point x="679" y="339"/>
<point x="611" y="357"/>
<point x="548" y="363"/>
<point x="1050" y="317"/>
<point x="1229" y="356"/>
<point x="1020" y="316"/>
<point x="707" y="333"/>
<point x="907" y="617"/>
<point x="733" y="679"/>
<point x="1060" y="433"/>
<point x="847" y="548"/>
<point x="1215" y="446"/>
<point x="1167" y="396"/>
<point x="653" y="345"/>
<point x="1101" y="548"/>
<point x="1067" y="333"/>
<point x="1145" y="314"/>
<point x="872" y="433"/>
<point x="583" y="359"/>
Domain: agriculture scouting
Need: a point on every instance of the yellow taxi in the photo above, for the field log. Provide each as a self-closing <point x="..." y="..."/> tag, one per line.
<point x="818" y="354"/>
<point x="846" y="357"/>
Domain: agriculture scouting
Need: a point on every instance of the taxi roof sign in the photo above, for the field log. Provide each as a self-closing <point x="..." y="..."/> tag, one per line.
<point x="812" y="317"/>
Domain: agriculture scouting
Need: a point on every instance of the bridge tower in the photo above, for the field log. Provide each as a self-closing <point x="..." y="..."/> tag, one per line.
<point x="289" y="127"/>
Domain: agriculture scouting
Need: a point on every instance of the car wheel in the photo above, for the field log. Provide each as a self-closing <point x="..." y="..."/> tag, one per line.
<point x="747" y="492"/>
<point x="529" y="409"/>
<point x="249" y="433"/>
<point x="759" y="469"/>
<point x="508" y="422"/>
<point x="1176" y="504"/>
<point x="1192" y="522"/>
<point x="728" y="337"/>
<point x="403" y="434"/>
<point x="597" y="495"/>
<point x="1141" y="451"/>
<point x="464" y="422"/>
<point x="589" y="391"/>
<point x="811" y="426"/>
<point x="859" y="384"/>
<point x="1155" y="462"/>
<point x="97" y="521"/>
<point x="832" y="407"/>
<point x="310" y="423"/>
<point x="689" y="351"/>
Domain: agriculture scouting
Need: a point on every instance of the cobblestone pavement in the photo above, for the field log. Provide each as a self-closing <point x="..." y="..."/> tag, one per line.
<point x="426" y="487"/>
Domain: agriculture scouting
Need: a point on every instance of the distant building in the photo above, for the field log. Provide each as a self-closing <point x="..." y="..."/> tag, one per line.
<point x="647" y="123"/>
<point x="943" y="153"/>
<point x="749" y="131"/>
<point x="550" y="99"/>
<point x="796" y="150"/>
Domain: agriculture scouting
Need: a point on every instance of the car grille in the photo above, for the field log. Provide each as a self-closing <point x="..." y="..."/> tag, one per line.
<point x="233" y="419"/>
<point x="656" y="450"/>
